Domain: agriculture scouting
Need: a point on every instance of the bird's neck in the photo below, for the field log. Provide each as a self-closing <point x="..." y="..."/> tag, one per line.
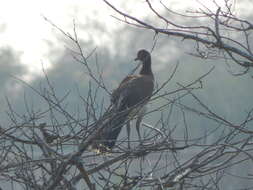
<point x="146" y="67"/>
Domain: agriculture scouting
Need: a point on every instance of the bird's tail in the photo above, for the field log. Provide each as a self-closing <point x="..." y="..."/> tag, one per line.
<point x="107" y="138"/>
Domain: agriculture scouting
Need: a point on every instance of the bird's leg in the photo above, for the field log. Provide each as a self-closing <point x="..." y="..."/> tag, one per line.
<point x="139" y="120"/>
<point x="138" y="124"/>
<point x="128" y="133"/>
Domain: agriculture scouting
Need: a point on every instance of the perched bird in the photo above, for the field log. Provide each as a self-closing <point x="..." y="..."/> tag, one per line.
<point x="128" y="100"/>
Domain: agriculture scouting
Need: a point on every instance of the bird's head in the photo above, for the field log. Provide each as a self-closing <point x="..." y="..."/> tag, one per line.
<point x="143" y="55"/>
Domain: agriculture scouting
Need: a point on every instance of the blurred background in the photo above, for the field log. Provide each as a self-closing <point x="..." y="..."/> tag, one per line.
<point x="28" y="43"/>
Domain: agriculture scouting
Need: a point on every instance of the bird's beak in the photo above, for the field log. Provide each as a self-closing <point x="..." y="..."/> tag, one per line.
<point x="136" y="59"/>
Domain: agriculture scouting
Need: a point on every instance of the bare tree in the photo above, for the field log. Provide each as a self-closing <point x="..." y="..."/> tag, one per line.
<point x="217" y="34"/>
<point x="55" y="154"/>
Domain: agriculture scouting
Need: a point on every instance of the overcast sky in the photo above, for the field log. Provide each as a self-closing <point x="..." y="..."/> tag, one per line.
<point x="23" y="28"/>
<point x="27" y="40"/>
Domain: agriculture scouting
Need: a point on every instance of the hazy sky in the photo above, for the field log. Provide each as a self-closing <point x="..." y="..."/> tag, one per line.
<point x="33" y="41"/>
<point x="23" y="28"/>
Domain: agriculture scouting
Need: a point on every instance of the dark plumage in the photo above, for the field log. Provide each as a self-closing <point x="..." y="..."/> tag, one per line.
<point x="131" y="95"/>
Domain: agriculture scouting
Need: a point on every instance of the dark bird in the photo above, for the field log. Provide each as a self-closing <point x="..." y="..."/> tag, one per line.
<point x="128" y="100"/>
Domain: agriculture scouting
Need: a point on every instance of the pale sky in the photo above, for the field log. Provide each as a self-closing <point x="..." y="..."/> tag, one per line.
<point x="24" y="29"/>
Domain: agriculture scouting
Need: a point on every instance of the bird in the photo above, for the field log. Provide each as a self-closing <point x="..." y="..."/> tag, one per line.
<point x="128" y="101"/>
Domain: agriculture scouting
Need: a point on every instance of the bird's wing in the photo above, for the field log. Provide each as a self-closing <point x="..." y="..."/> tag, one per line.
<point x="116" y="92"/>
<point x="132" y="90"/>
